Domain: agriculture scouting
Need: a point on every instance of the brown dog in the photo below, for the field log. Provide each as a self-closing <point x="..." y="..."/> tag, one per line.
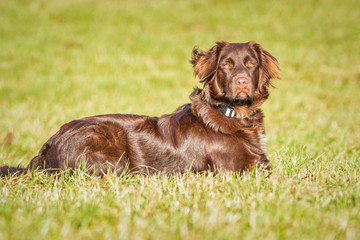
<point x="222" y="127"/>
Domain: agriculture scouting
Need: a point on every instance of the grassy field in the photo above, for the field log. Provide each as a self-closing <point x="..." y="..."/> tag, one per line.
<point x="63" y="60"/>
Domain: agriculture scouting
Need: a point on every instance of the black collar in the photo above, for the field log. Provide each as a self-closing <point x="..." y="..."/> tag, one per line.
<point x="227" y="111"/>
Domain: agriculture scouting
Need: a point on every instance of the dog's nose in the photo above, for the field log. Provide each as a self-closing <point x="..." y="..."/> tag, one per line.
<point x="241" y="81"/>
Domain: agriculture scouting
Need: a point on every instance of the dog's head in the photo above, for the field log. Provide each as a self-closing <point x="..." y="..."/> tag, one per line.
<point x="235" y="73"/>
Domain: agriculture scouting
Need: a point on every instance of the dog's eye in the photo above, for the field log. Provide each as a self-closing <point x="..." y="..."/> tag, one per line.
<point x="226" y="66"/>
<point x="250" y="64"/>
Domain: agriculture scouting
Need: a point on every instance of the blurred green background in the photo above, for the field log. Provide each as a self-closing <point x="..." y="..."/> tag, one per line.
<point x="63" y="60"/>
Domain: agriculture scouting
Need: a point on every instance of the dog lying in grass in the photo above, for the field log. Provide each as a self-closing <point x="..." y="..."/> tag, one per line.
<point x="222" y="127"/>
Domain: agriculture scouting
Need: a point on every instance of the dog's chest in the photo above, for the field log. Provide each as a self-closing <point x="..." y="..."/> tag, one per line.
<point x="234" y="152"/>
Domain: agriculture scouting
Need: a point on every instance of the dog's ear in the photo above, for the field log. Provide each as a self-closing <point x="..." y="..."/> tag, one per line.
<point x="205" y="63"/>
<point x="269" y="67"/>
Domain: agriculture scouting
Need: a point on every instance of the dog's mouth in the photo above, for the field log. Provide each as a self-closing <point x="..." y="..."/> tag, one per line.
<point x="241" y="92"/>
<point x="242" y="96"/>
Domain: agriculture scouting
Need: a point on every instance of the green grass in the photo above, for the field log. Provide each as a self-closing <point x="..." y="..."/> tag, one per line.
<point x="63" y="60"/>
